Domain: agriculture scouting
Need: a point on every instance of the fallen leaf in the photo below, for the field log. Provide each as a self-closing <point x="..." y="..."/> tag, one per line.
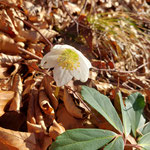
<point x="49" y="91"/>
<point x="44" y="103"/>
<point x="15" y="140"/>
<point x="17" y="88"/>
<point x="6" y="24"/>
<point x="8" y="45"/>
<point x="70" y="105"/>
<point x="9" y="58"/>
<point x="56" y="129"/>
<point x="34" y="36"/>
<point x="67" y="121"/>
<point x="5" y="97"/>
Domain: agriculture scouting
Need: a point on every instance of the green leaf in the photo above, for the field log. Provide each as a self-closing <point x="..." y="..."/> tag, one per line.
<point x="125" y="116"/>
<point x="82" y="139"/>
<point x="144" y="141"/>
<point x="116" y="144"/>
<point x="103" y="105"/>
<point x="134" y="107"/>
<point x="146" y="129"/>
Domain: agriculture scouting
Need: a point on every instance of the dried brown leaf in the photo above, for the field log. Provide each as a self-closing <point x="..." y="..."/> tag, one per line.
<point x="44" y="103"/>
<point x="15" y="140"/>
<point x="70" y="105"/>
<point x="6" y="24"/>
<point x="38" y="114"/>
<point x="31" y="109"/>
<point x="11" y="2"/>
<point x="68" y="121"/>
<point x="34" y="36"/>
<point x="36" y="128"/>
<point x="49" y="91"/>
<point x="17" y="88"/>
<point x="8" y="45"/>
<point x="9" y="58"/>
<point x="5" y="97"/>
<point x="34" y="13"/>
<point x="72" y="8"/>
<point x="18" y="140"/>
<point x="3" y="70"/>
<point x="56" y="129"/>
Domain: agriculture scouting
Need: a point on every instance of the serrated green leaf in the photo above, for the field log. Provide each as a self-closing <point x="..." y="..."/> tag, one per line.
<point x="116" y="144"/>
<point x="134" y="107"/>
<point x="144" y="141"/>
<point x="103" y="105"/>
<point x="146" y="129"/>
<point x="82" y="139"/>
<point x="125" y="117"/>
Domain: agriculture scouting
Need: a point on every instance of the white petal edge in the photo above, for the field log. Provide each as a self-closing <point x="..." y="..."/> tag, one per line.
<point x="62" y="47"/>
<point x="61" y="76"/>
<point x="50" y="59"/>
<point x="82" y="72"/>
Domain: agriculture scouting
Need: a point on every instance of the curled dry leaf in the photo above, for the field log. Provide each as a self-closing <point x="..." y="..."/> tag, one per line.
<point x="6" y="24"/>
<point x="72" y="8"/>
<point x="34" y="13"/>
<point x="70" y="105"/>
<point x="31" y="109"/>
<point x="55" y="130"/>
<point x="5" y="97"/>
<point x="44" y="103"/>
<point x="17" y="87"/>
<point x="9" y="58"/>
<point x="34" y="36"/>
<point x="13" y="13"/>
<point x="3" y="70"/>
<point x="49" y="91"/>
<point x="8" y="45"/>
<point x="36" y="128"/>
<point x="15" y="140"/>
<point x="103" y="87"/>
<point x="11" y="2"/>
<point x="68" y="121"/>
<point x="38" y="114"/>
<point x="13" y="69"/>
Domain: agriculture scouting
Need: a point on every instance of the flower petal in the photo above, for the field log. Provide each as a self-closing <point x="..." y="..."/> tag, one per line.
<point x="50" y="59"/>
<point x="62" y="47"/>
<point x="61" y="76"/>
<point x="82" y="72"/>
<point x="87" y="62"/>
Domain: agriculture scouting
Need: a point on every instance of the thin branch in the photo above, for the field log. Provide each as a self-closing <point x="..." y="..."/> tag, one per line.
<point x="29" y="53"/>
<point x="81" y="100"/>
<point x="122" y="71"/>
<point x="76" y="22"/>
<point x="84" y="6"/>
<point x="36" y="29"/>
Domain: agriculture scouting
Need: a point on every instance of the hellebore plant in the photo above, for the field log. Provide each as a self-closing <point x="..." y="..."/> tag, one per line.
<point x="130" y="132"/>
<point x="67" y="62"/>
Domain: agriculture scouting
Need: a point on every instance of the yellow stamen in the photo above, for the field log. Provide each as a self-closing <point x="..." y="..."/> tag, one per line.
<point x="69" y="60"/>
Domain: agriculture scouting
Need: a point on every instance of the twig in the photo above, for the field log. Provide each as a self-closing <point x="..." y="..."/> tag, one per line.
<point x="122" y="71"/>
<point x="84" y="103"/>
<point x="76" y="22"/>
<point x="36" y="29"/>
<point x="84" y="6"/>
<point x="29" y="53"/>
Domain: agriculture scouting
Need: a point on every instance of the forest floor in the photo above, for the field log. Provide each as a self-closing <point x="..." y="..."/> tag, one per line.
<point x="114" y="36"/>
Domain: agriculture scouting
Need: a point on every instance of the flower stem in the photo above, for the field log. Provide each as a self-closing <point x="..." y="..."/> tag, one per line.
<point x="57" y="91"/>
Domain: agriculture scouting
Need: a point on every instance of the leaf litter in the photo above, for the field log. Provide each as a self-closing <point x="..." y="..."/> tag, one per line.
<point x="113" y="35"/>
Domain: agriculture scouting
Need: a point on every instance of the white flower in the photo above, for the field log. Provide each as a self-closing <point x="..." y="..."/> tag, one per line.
<point x="67" y="62"/>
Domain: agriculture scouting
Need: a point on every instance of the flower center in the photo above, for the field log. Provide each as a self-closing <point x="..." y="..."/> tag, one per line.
<point x="69" y="60"/>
